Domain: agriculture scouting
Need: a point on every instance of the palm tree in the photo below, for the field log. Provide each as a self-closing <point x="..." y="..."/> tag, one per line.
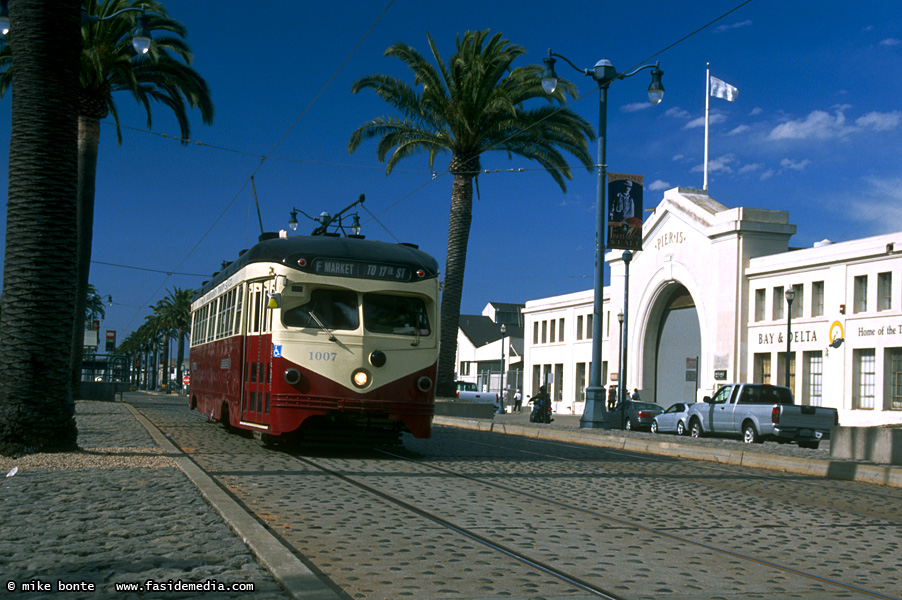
<point x="108" y="65"/>
<point x="471" y="105"/>
<point x="39" y="277"/>
<point x="176" y="307"/>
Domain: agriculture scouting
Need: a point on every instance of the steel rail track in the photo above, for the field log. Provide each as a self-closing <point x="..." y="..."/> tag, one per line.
<point x="544" y="567"/>
<point x="639" y="527"/>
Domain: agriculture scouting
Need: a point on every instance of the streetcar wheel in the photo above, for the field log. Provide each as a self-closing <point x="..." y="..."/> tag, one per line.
<point x="749" y="435"/>
<point x="654" y="427"/>
<point x="681" y="429"/>
<point x="695" y="429"/>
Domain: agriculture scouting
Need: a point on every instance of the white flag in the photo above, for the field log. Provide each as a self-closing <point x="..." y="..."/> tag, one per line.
<point x="722" y="89"/>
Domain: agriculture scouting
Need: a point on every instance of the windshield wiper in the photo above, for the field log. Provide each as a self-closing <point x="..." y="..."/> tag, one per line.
<point x="321" y="326"/>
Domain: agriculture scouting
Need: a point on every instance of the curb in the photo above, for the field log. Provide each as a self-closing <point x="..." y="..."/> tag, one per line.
<point x="889" y="476"/>
<point x="296" y="579"/>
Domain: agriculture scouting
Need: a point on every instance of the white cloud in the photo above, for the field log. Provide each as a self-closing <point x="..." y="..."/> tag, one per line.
<point x="821" y="125"/>
<point x="738" y="130"/>
<point x="678" y="157"/>
<point x="713" y="119"/>
<point x="751" y="167"/>
<point x="756" y="111"/>
<point x="635" y="107"/>
<point x="788" y="163"/>
<point x="657" y="184"/>
<point x="877" y="204"/>
<point x="677" y="112"/>
<point x="720" y="164"/>
<point x="818" y="125"/>
<point x="723" y="28"/>
<point x="890" y="42"/>
<point x="879" y="121"/>
<point x="767" y="175"/>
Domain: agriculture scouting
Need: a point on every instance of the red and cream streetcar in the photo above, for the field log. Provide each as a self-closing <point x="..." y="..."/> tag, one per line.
<point x="312" y="335"/>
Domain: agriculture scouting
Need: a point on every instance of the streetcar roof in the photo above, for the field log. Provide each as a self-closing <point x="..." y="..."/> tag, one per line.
<point x="288" y="250"/>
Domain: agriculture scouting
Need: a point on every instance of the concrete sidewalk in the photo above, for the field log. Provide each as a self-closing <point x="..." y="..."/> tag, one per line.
<point x="126" y="517"/>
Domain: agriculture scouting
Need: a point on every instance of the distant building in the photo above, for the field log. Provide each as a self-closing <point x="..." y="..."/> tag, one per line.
<point x="479" y="346"/>
<point x="707" y="306"/>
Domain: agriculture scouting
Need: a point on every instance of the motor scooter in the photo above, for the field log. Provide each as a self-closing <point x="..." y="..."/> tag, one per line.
<point x="541" y="410"/>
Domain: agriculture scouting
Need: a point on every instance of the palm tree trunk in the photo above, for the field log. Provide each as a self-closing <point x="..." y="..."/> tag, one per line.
<point x="458" y="236"/>
<point x="36" y="408"/>
<point x="88" y="143"/>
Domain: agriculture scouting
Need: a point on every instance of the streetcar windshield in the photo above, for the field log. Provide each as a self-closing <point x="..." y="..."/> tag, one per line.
<point x="398" y="315"/>
<point x="327" y="308"/>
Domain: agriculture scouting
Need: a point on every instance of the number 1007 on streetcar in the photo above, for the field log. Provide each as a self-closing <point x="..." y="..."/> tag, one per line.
<point x="307" y="335"/>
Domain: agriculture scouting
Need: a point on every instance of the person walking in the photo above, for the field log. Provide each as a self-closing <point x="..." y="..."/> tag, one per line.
<point x="635" y="394"/>
<point x="518" y="401"/>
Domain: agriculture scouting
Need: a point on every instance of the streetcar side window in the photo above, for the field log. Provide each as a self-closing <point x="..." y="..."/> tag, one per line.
<point x="334" y="309"/>
<point x="397" y="315"/>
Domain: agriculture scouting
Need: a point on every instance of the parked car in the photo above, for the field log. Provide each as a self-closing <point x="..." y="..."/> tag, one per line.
<point x="635" y="415"/>
<point x="673" y="420"/>
<point x="757" y="412"/>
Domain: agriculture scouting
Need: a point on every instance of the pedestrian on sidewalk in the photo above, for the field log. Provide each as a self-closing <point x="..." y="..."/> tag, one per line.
<point x="518" y="401"/>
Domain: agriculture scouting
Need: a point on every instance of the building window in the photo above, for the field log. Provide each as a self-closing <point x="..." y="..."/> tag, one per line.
<point x="814" y="373"/>
<point x="760" y="299"/>
<point x="884" y="291"/>
<point x="894" y="364"/>
<point x="579" y="327"/>
<point x="866" y="377"/>
<point x="817" y="299"/>
<point x="464" y="367"/>
<point x="781" y="372"/>
<point x="778" y="302"/>
<point x="536" y="378"/>
<point x="798" y="300"/>
<point x="762" y="367"/>
<point x="558" y="382"/>
<point x="544" y="331"/>
<point x="580" y="386"/>
<point x="560" y="330"/>
<point x="589" y="329"/>
<point x="535" y="332"/>
<point x="551" y="337"/>
<point x="861" y="294"/>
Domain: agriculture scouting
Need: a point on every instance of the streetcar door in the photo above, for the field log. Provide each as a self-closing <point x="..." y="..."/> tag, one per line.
<point x="256" y="380"/>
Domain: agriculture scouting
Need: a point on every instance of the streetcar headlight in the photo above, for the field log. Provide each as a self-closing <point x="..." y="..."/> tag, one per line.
<point x="360" y="378"/>
<point x="377" y="358"/>
<point x="292" y="376"/>
<point x="424" y="384"/>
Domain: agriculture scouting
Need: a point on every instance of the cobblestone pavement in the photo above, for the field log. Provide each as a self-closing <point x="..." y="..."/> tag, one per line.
<point x="117" y="512"/>
<point x="643" y="527"/>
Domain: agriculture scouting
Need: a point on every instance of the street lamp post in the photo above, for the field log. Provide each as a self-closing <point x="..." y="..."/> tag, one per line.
<point x="604" y="73"/>
<point x="790" y="296"/>
<point x="501" y="378"/>
<point x="620" y="360"/>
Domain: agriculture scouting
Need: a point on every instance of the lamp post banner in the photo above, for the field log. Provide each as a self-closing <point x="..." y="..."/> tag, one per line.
<point x="624" y="211"/>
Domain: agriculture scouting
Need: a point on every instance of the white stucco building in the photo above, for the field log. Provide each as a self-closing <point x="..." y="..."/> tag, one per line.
<point x="707" y="305"/>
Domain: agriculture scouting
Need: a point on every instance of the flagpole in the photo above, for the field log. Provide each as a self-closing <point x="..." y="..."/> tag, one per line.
<point x="707" y="104"/>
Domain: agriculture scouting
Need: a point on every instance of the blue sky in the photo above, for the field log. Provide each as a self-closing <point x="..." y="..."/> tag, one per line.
<point x="815" y="131"/>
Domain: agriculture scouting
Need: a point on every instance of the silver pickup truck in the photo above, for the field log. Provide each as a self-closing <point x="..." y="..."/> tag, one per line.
<point x="758" y="412"/>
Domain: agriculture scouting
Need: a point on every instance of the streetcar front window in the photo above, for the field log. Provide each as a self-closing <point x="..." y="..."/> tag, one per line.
<point x="398" y="315"/>
<point x="332" y="309"/>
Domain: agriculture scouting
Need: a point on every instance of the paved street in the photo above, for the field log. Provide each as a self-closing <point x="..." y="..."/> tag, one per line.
<point x="470" y="514"/>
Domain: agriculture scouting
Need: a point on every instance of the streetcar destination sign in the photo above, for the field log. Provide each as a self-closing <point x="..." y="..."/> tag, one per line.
<point x="363" y="270"/>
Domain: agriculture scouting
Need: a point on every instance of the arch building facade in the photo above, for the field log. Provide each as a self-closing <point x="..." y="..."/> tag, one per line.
<point x="704" y="303"/>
